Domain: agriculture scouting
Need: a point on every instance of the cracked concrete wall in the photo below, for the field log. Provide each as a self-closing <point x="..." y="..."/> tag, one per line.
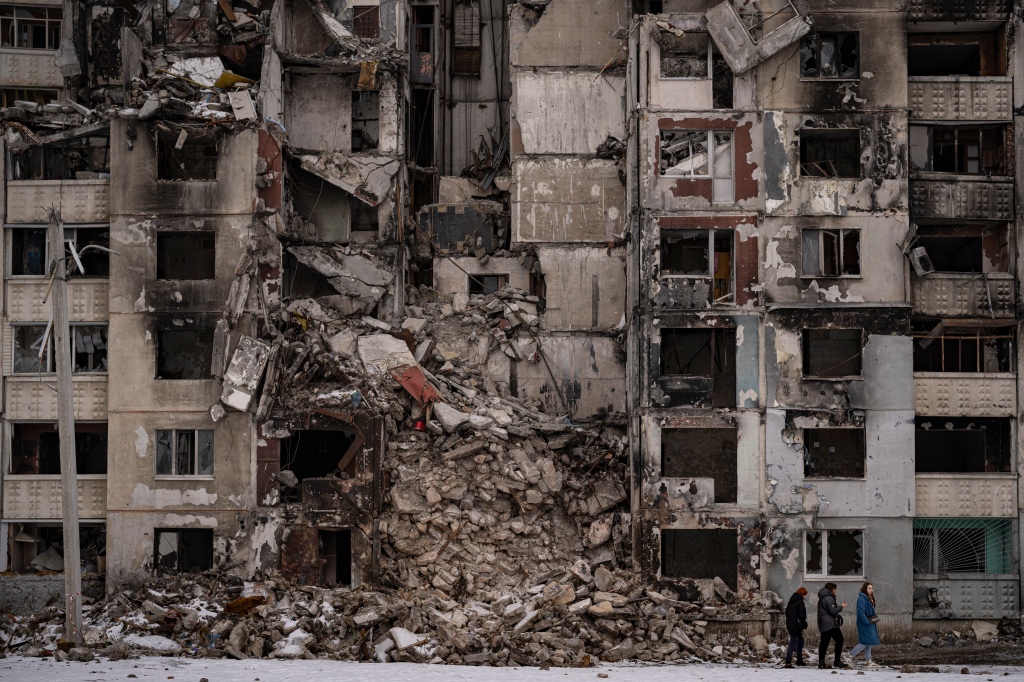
<point x="565" y="112"/>
<point x="567" y="200"/>
<point x="585" y="288"/>
<point x="568" y="33"/>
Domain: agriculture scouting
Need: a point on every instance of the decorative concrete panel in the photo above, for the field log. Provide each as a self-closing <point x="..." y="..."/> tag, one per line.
<point x="977" y="596"/>
<point x="959" y="10"/>
<point x="29" y="68"/>
<point x="962" y="197"/>
<point x="960" y="98"/>
<point x="34" y="399"/>
<point x="960" y="495"/>
<point x="963" y="295"/>
<point x="79" y="201"/>
<point x="39" y="498"/>
<point x="943" y="394"/>
<point x="87" y="300"/>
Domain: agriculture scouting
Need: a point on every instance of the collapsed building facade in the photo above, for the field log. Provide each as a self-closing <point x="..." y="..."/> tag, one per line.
<point x="689" y="289"/>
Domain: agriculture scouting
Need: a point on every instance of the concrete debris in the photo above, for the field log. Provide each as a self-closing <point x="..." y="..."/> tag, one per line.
<point x="368" y="178"/>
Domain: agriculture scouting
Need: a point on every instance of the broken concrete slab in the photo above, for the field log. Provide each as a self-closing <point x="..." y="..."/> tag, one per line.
<point x="364" y="176"/>
<point x="245" y="372"/>
<point x="359" y="279"/>
<point x="381" y="353"/>
<point x="737" y="46"/>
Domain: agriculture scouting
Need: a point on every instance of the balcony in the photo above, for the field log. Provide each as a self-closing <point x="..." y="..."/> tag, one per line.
<point x="88" y="299"/>
<point x="964" y="10"/>
<point x="945" y="294"/>
<point x="968" y="596"/>
<point x="80" y="201"/>
<point x="956" y="394"/>
<point x="962" y="495"/>
<point x="960" y="98"/>
<point x="38" y="497"/>
<point x="29" y="68"/>
<point x="967" y="197"/>
<point x="29" y="398"/>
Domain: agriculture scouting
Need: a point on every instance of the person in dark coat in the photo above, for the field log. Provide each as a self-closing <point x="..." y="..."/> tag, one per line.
<point x="828" y="622"/>
<point x="796" y="623"/>
<point x="867" y="627"/>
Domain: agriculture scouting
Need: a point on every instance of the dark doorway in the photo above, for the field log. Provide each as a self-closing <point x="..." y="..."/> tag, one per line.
<point x="700" y="554"/>
<point x="335" y="553"/>
<point x="314" y="454"/>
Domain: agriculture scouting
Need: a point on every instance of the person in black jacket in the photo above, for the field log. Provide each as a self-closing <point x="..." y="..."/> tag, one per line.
<point x="829" y="621"/>
<point x="796" y="623"/>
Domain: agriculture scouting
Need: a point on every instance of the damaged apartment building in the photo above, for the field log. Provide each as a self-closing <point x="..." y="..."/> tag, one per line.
<point x="454" y="294"/>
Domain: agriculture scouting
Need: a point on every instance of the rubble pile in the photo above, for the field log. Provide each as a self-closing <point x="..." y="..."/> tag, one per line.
<point x="574" y="618"/>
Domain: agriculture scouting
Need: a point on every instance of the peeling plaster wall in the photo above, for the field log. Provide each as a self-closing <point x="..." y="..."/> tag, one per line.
<point x="565" y="112"/>
<point x="568" y="33"/>
<point x="567" y="200"/>
<point x="882" y="263"/>
<point x="318" y="111"/>
<point x="585" y="288"/>
<point x="451" y="275"/>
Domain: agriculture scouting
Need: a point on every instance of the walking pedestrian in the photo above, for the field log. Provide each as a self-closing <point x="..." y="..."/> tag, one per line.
<point x="796" y="623"/>
<point x="867" y="624"/>
<point x="829" y="621"/>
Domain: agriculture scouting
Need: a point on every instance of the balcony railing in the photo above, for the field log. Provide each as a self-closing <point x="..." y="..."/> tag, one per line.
<point x="956" y="394"/>
<point x="946" y="294"/>
<point x="962" y="495"/>
<point x="969" y="197"/>
<point x="968" y="596"/>
<point x="79" y="201"/>
<point x="38" y="497"/>
<point x="963" y="10"/>
<point x="29" y="68"/>
<point x="960" y="98"/>
<point x="88" y="299"/>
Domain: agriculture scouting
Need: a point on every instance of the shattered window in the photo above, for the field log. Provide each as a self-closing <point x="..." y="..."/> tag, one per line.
<point x="962" y="349"/>
<point x="184" y="452"/>
<point x="685" y="153"/>
<point x="186" y="255"/>
<point x="486" y="284"/>
<point x="30" y="27"/>
<point x="81" y="158"/>
<point x="28" y="251"/>
<point x="966" y="149"/>
<point x="832" y="352"/>
<point x="28" y="342"/>
<point x="186" y="154"/>
<point x="89" y="347"/>
<point x="834" y="553"/>
<point x="963" y="445"/>
<point x="366" y="21"/>
<point x="365" y="120"/>
<point x="834" y="453"/>
<point x="705" y="254"/>
<point x="184" y="353"/>
<point x="963" y="546"/>
<point x="830" y="55"/>
<point x="95" y="261"/>
<point x="831" y="253"/>
<point x="684" y="55"/>
<point x="830" y="153"/>
<point x="466" y="56"/>
<point x="182" y="550"/>
<point x="35" y="448"/>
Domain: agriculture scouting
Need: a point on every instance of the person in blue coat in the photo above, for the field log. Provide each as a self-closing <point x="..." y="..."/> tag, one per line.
<point x="867" y="624"/>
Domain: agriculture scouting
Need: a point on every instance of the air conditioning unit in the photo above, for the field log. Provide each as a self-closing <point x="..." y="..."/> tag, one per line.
<point x="921" y="262"/>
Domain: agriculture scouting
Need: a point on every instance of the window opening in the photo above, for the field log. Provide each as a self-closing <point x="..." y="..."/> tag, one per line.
<point x="984" y="349"/>
<point x="834" y="453"/>
<point x="335" y="554"/>
<point x="80" y="158"/>
<point x="486" y="284"/>
<point x="830" y="153"/>
<point x="698" y="366"/>
<point x="30" y="27"/>
<point x="466" y="58"/>
<point x="831" y="253"/>
<point x="702" y="554"/>
<point x="830" y="55"/>
<point x="36" y="547"/>
<point x="183" y="550"/>
<point x="834" y="553"/>
<point x="41" y="96"/>
<point x="29" y="250"/>
<point x="186" y="155"/>
<point x="35" y="448"/>
<point x="684" y="56"/>
<point x="702" y="453"/>
<point x="967" y="150"/>
<point x="963" y="445"/>
<point x="365" y="120"/>
<point x="700" y="154"/>
<point x="186" y="255"/>
<point x="832" y="353"/>
<point x="963" y="546"/>
<point x="314" y="454"/>
<point x="184" y="354"/>
<point x="366" y="21"/>
<point x="184" y="452"/>
<point x="700" y="254"/>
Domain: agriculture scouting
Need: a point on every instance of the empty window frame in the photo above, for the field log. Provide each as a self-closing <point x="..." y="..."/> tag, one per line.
<point x="830" y="55"/>
<point x="186" y="255"/>
<point x="954" y="545"/>
<point x="961" y="251"/>
<point x="184" y="452"/>
<point x="30" y="254"/>
<point x="80" y="158"/>
<point x="699" y="365"/>
<point x="956" y="54"/>
<point x="700" y="254"/>
<point x="685" y="56"/>
<point x="834" y="553"/>
<point x="466" y="39"/>
<point x="88" y="348"/>
<point x="30" y="27"/>
<point x="701" y="554"/>
<point x="35" y="448"/>
<point x="186" y="154"/>
<point x="702" y="453"/>
<point x="182" y="550"/>
<point x="832" y="353"/>
<point x="366" y="21"/>
<point x="183" y="354"/>
<point x="365" y="120"/>
<point x="831" y="153"/>
<point x="963" y="445"/>
<point x="834" y="453"/>
<point x="962" y="349"/>
<point x="314" y="453"/>
<point x="830" y="253"/>
<point x="41" y="96"/>
<point x="701" y="154"/>
<point x="967" y="150"/>
<point x="486" y="284"/>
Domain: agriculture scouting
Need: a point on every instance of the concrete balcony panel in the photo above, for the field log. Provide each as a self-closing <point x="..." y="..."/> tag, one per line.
<point x="970" y="197"/>
<point x="37" y="497"/>
<point x="963" y="10"/>
<point x="29" y="68"/>
<point x="966" y="495"/>
<point x="963" y="294"/>
<point x="30" y="398"/>
<point x="960" y="98"/>
<point x="949" y="394"/>
<point x="87" y="299"/>
<point x="79" y="201"/>
<point x="973" y="595"/>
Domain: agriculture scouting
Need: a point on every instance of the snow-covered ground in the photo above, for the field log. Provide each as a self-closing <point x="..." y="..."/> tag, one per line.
<point x="17" y="669"/>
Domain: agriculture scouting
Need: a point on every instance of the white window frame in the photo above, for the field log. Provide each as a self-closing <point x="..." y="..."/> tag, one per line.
<point x="174" y="457"/>
<point x="48" y="22"/>
<point x="824" y="553"/>
<point x="821" y="252"/>
<point x="724" y="180"/>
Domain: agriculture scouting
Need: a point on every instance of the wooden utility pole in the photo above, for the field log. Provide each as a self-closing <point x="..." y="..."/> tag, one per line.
<point x="66" y="428"/>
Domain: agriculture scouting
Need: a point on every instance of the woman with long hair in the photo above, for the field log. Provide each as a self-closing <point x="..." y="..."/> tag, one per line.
<point x="867" y="624"/>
